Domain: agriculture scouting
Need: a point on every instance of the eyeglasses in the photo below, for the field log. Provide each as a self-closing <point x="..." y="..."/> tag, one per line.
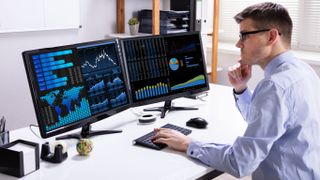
<point x="243" y="35"/>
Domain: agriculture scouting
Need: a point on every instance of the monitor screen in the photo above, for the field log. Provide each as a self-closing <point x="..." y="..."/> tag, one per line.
<point x="164" y="67"/>
<point x="75" y="85"/>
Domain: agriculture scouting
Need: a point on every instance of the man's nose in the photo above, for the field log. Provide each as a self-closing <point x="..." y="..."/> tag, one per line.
<point x="239" y="44"/>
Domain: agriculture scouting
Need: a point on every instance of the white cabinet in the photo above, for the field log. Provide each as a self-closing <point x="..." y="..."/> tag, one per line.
<point x="34" y="15"/>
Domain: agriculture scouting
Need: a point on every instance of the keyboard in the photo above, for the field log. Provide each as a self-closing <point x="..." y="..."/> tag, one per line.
<point x="146" y="140"/>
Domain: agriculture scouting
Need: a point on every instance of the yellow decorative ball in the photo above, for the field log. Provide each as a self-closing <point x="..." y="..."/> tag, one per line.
<point x="84" y="147"/>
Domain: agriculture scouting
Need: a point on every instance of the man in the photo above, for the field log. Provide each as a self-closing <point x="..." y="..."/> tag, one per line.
<point x="283" y="115"/>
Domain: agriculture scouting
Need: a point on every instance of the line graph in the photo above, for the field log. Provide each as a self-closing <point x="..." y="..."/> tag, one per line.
<point x="100" y="57"/>
<point x="97" y="58"/>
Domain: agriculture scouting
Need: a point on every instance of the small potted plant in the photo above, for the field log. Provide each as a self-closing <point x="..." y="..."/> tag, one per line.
<point x="133" y="25"/>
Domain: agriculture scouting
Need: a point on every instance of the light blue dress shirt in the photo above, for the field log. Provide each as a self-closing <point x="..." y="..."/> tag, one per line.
<point x="282" y="140"/>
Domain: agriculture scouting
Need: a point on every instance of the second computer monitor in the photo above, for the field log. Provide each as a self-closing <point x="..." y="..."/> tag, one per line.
<point x="161" y="68"/>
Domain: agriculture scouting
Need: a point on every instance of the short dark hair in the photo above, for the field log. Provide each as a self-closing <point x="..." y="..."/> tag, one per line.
<point x="268" y="15"/>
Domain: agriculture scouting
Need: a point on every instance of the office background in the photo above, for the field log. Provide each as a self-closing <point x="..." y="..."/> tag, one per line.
<point x="98" y="19"/>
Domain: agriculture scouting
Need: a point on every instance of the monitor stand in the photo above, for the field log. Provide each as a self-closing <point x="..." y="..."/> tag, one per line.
<point x="87" y="133"/>
<point x="167" y="107"/>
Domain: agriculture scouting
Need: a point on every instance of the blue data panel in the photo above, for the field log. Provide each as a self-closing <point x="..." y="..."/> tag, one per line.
<point x="47" y="66"/>
<point x="75" y="85"/>
<point x="79" y="82"/>
<point x="102" y="76"/>
<point x="161" y="66"/>
<point x="68" y="105"/>
<point x="62" y="93"/>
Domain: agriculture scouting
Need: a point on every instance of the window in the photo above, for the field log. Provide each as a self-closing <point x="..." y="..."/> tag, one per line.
<point x="305" y="15"/>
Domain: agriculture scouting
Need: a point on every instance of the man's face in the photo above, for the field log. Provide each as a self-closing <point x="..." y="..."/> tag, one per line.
<point x="253" y="43"/>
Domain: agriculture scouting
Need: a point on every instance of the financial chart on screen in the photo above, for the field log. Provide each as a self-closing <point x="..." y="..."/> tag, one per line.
<point x="76" y="85"/>
<point x="77" y="82"/>
<point x="160" y="66"/>
<point x="102" y="77"/>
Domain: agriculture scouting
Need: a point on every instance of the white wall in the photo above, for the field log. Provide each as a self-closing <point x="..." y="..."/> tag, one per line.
<point x="97" y="17"/>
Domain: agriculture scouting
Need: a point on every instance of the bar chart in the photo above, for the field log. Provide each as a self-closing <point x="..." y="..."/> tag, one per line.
<point x="45" y="66"/>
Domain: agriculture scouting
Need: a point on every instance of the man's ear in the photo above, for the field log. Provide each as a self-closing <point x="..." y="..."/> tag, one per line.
<point x="273" y="35"/>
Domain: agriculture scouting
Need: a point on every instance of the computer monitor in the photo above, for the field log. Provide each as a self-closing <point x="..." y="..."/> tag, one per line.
<point x="76" y="85"/>
<point x="164" y="67"/>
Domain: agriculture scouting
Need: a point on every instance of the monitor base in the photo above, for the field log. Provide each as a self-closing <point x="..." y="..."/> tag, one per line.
<point x="87" y="133"/>
<point x="167" y="107"/>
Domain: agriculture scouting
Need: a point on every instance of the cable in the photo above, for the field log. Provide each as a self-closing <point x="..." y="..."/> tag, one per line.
<point x="201" y="96"/>
<point x="34" y="125"/>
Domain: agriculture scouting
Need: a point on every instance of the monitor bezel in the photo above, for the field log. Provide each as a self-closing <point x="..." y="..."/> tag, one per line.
<point x="82" y="122"/>
<point x="187" y="93"/>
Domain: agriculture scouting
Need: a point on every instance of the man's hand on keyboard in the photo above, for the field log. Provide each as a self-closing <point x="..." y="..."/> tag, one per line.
<point x="174" y="139"/>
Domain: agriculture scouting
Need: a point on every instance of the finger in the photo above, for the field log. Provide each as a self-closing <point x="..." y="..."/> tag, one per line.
<point x="236" y="71"/>
<point x="236" y="74"/>
<point x="163" y="129"/>
<point x="230" y="68"/>
<point x="161" y="140"/>
<point x="157" y="130"/>
<point x="249" y="67"/>
<point x="237" y="65"/>
<point x="246" y="70"/>
<point x="234" y="67"/>
<point x="164" y="133"/>
<point x="231" y="72"/>
<point x="245" y="66"/>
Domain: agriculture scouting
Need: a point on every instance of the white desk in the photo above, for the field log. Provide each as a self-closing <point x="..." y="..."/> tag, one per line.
<point x="114" y="156"/>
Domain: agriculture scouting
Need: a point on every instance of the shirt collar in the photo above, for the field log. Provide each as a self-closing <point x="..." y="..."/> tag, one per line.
<point x="277" y="61"/>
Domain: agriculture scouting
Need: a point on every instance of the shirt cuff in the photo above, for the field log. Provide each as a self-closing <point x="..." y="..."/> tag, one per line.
<point x="239" y="93"/>
<point x="244" y="93"/>
<point x="194" y="149"/>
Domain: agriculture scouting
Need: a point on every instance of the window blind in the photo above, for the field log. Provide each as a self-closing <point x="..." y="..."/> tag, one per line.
<point x="305" y="15"/>
<point x="309" y="27"/>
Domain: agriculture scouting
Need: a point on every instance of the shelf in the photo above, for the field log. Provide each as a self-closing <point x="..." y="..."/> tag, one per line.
<point x="124" y="35"/>
<point x="156" y="27"/>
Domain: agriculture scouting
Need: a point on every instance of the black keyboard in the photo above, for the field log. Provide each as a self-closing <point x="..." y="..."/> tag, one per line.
<point x="146" y="140"/>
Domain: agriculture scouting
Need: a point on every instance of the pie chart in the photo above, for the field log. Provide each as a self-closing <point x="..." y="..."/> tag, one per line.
<point x="174" y="64"/>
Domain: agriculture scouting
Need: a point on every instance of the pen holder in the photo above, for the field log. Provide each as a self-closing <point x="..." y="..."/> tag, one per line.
<point x="4" y="138"/>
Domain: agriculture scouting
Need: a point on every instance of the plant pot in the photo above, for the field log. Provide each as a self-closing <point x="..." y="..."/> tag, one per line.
<point x="134" y="29"/>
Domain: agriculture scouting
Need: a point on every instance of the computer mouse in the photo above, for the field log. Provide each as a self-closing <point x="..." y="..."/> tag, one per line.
<point x="197" y="122"/>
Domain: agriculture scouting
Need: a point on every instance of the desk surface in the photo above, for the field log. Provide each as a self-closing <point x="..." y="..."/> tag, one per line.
<point x="114" y="156"/>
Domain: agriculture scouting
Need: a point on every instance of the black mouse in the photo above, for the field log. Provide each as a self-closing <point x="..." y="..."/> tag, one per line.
<point x="197" y="122"/>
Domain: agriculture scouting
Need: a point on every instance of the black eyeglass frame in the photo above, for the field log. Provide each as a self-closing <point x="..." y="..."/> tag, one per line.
<point x="242" y="35"/>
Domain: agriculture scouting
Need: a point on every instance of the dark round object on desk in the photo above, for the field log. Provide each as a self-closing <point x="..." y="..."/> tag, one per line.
<point x="197" y="122"/>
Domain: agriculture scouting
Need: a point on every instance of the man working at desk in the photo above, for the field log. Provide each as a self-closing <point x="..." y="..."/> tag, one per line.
<point x="282" y="137"/>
